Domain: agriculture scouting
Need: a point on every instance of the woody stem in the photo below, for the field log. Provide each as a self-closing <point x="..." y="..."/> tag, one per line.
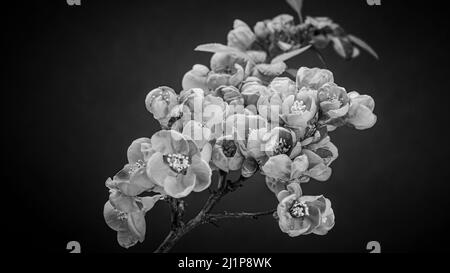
<point x="179" y="228"/>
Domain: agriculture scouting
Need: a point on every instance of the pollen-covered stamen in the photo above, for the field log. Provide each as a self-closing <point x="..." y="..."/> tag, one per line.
<point x="161" y="94"/>
<point x="136" y="166"/>
<point x="298" y="107"/>
<point x="121" y="215"/>
<point x="333" y="98"/>
<point x="229" y="148"/>
<point x="283" y="143"/>
<point x="299" y="209"/>
<point x="179" y="163"/>
<point x="282" y="147"/>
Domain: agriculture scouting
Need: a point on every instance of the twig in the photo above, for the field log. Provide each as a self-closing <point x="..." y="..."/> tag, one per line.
<point x="179" y="228"/>
<point x="237" y="215"/>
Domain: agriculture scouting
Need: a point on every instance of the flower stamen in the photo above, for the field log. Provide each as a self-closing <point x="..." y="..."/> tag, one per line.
<point x="282" y="147"/>
<point x="298" y="107"/>
<point x="136" y="166"/>
<point x="179" y="163"/>
<point x="299" y="209"/>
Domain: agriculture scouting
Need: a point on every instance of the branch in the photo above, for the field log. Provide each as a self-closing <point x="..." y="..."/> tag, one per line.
<point x="177" y="212"/>
<point x="239" y="215"/>
<point x="179" y="229"/>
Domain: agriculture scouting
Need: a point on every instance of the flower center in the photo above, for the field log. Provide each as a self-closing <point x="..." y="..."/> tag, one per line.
<point x="282" y="146"/>
<point x="299" y="209"/>
<point x="179" y="163"/>
<point x="229" y="148"/>
<point x="162" y="94"/>
<point x="121" y="215"/>
<point x="333" y="98"/>
<point x="298" y="107"/>
<point x="136" y="166"/>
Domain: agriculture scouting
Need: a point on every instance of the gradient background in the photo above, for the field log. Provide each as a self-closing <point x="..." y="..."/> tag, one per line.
<point x="75" y="83"/>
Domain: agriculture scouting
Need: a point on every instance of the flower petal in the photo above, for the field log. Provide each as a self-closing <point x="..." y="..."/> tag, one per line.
<point x="219" y="159"/>
<point x="169" y="141"/>
<point x="157" y="169"/>
<point x="126" y="238"/>
<point x="149" y="201"/>
<point x="134" y="152"/>
<point x="276" y="186"/>
<point x="249" y="167"/>
<point x="299" y="166"/>
<point x="278" y="167"/>
<point x="136" y="223"/>
<point x="179" y="186"/>
<point x="112" y="218"/>
<point x="202" y="173"/>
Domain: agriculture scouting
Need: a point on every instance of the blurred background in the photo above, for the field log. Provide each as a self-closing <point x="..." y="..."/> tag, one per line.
<point x="76" y="79"/>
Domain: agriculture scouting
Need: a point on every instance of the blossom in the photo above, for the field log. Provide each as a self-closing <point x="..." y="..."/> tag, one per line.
<point x="241" y="125"/>
<point x="230" y="95"/>
<point x="226" y="69"/>
<point x="176" y="165"/>
<point x="126" y="215"/>
<point x="312" y="161"/>
<point x="298" y="110"/>
<point x="283" y="86"/>
<point x="196" y="78"/>
<point x="280" y="23"/>
<point x="360" y="113"/>
<point x="333" y="100"/>
<point x="241" y="37"/>
<point x="160" y="102"/>
<point x="251" y="89"/>
<point x="226" y="154"/>
<point x="132" y="180"/>
<point x="189" y="108"/>
<point x="303" y="215"/>
<point x="313" y="78"/>
<point x="265" y="142"/>
<point x="269" y="107"/>
<point x="268" y="71"/>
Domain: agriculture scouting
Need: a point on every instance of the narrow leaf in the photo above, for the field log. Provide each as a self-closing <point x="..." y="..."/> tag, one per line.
<point x="297" y="5"/>
<point x="292" y="72"/>
<point x="216" y="48"/>
<point x="288" y="55"/>
<point x="357" y="41"/>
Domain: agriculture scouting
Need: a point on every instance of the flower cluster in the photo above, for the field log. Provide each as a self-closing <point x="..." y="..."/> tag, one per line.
<point x="241" y="114"/>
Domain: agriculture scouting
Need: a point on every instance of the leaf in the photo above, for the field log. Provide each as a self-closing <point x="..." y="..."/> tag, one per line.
<point x="321" y="58"/>
<point x="297" y="5"/>
<point x="288" y="55"/>
<point x="339" y="47"/>
<point x="216" y="48"/>
<point x="292" y="72"/>
<point x="357" y="41"/>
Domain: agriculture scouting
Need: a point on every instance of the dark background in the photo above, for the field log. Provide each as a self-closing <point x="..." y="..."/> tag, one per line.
<point x="73" y="100"/>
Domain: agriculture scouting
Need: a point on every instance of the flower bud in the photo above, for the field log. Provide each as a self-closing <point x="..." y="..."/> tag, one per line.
<point x="313" y="78"/>
<point x="160" y="101"/>
<point x="196" y="78"/>
<point x="284" y="86"/>
<point x="261" y="30"/>
<point x="225" y="62"/>
<point x="232" y="77"/>
<point x="252" y="89"/>
<point x="230" y="95"/>
<point x="241" y="37"/>
<point x="281" y="22"/>
<point x="333" y="100"/>
<point x="360" y="113"/>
